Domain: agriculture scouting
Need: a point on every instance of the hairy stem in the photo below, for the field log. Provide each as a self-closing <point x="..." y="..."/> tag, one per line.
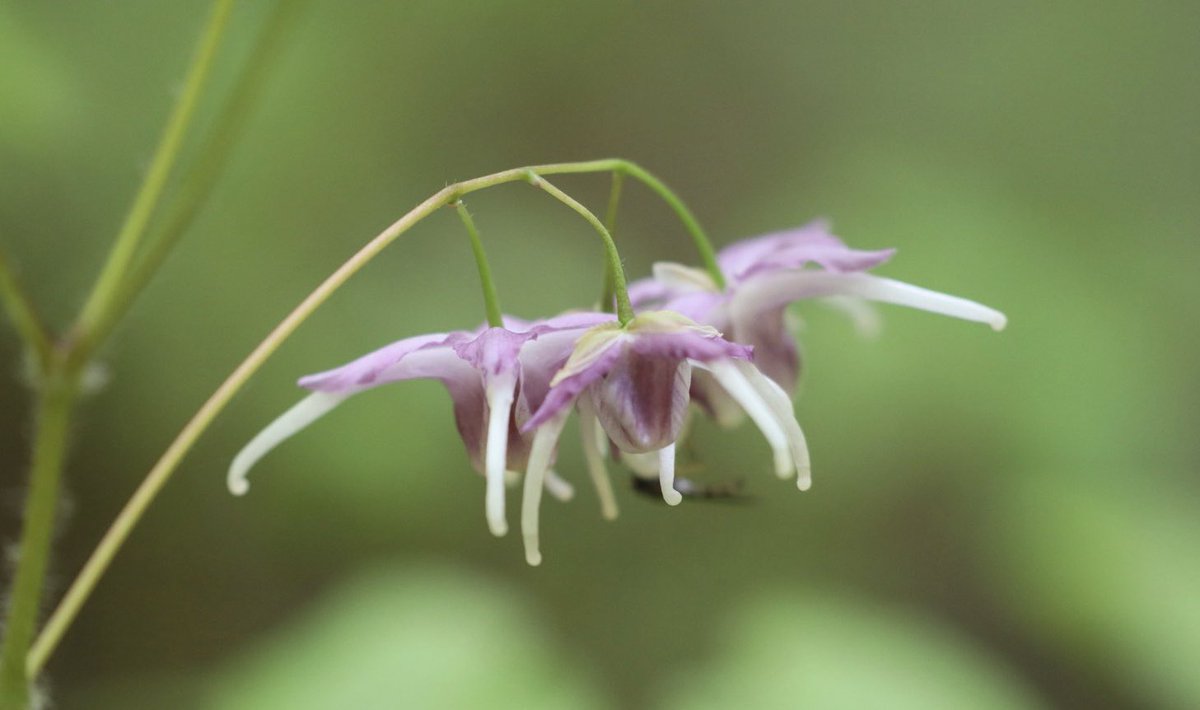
<point x="55" y="402"/>
<point x="104" y="295"/>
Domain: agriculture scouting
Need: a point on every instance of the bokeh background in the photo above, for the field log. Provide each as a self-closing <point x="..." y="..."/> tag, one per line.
<point x="998" y="520"/>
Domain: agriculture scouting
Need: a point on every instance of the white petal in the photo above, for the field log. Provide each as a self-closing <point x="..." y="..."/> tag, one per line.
<point x="735" y="383"/>
<point x="558" y="487"/>
<point x="588" y="427"/>
<point x="781" y="405"/>
<point x="775" y="289"/>
<point x="666" y="475"/>
<point x="500" y="393"/>
<point x="683" y="279"/>
<point x="862" y="314"/>
<point x="539" y="461"/>
<point x="305" y="412"/>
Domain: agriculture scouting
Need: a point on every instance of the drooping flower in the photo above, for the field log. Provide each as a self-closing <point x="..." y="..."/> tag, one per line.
<point x="632" y="382"/>
<point x="495" y="376"/>
<point x="765" y="274"/>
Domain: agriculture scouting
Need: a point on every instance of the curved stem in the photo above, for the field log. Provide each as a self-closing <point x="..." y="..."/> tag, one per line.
<point x="624" y="308"/>
<point x="55" y="403"/>
<point x="158" y="476"/>
<point x="703" y="245"/>
<point x="105" y="293"/>
<point x="610" y="223"/>
<point x="491" y="301"/>
<point x="20" y="309"/>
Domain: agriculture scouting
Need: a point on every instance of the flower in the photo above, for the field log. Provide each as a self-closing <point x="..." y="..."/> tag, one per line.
<point x="632" y="382"/>
<point x="766" y="274"/>
<point x="495" y="376"/>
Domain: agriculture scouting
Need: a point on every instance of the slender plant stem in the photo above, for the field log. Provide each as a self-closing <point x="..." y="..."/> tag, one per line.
<point x="624" y="309"/>
<point x="160" y="473"/>
<point x="212" y="154"/>
<point x="104" y="295"/>
<point x="24" y="317"/>
<point x="491" y="301"/>
<point x="610" y="223"/>
<point x="55" y="403"/>
<point x="707" y="255"/>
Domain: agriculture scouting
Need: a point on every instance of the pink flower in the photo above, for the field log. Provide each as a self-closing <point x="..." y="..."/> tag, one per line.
<point x="495" y="377"/>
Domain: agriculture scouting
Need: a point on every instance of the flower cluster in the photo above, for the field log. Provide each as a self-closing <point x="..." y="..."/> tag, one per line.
<point x="728" y="349"/>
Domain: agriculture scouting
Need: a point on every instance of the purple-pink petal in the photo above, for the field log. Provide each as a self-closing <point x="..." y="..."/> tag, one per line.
<point x="364" y="372"/>
<point x="563" y="394"/>
<point x="642" y="401"/>
<point x="685" y="345"/>
<point x="793" y="249"/>
<point x="494" y="351"/>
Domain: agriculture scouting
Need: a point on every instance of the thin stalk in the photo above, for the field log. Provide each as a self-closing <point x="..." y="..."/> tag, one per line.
<point x="707" y="255"/>
<point x="491" y="301"/>
<point x="55" y="400"/>
<point x="624" y="308"/>
<point x="24" y="317"/>
<point x="610" y="223"/>
<point x="158" y="476"/>
<point x="104" y="295"/>
<point x="199" y="179"/>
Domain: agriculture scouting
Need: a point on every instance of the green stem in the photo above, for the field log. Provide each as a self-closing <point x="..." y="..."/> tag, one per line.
<point x="610" y="223"/>
<point x="160" y="473"/>
<point x="624" y="308"/>
<point x="55" y="400"/>
<point x="199" y="179"/>
<point x="24" y="317"/>
<point x="707" y="255"/>
<point x="491" y="301"/>
<point x="104" y="295"/>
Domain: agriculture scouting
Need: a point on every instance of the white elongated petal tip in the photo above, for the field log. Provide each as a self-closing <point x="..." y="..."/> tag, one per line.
<point x="666" y="475"/>
<point x="998" y="322"/>
<point x="303" y="413"/>
<point x="499" y="528"/>
<point x="237" y="483"/>
<point x="532" y="555"/>
<point x="804" y="480"/>
<point x="559" y="488"/>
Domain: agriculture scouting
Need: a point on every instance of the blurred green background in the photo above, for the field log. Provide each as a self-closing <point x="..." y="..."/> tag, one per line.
<point x="998" y="520"/>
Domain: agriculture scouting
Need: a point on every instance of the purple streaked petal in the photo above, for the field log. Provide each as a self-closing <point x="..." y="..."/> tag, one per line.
<point x="774" y="344"/>
<point x="494" y="351"/>
<point x="742" y="255"/>
<point x="690" y="343"/>
<point x="364" y="372"/>
<point x="794" y="249"/>
<point x="642" y="401"/>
